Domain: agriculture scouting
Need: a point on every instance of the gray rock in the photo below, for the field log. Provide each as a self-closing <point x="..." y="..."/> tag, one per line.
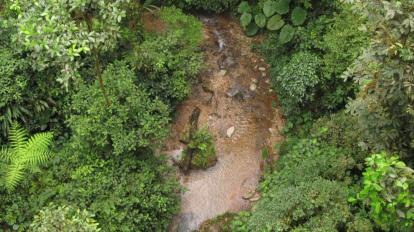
<point x="238" y="93"/>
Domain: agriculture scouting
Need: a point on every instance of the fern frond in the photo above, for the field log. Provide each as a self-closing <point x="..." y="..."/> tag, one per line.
<point x="14" y="175"/>
<point x="5" y="154"/>
<point x="23" y="154"/>
<point x="39" y="142"/>
<point x="17" y="137"/>
<point x="35" y="158"/>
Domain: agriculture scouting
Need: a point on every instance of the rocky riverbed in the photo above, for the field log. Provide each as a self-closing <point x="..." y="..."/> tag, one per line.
<point x="238" y="106"/>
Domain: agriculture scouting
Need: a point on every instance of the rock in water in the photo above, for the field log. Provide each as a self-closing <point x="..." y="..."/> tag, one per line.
<point x="255" y="197"/>
<point x="230" y="131"/>
<point x="253" y="87"/>
<point x="248" y="195"/>
<point x="222" y="72"/>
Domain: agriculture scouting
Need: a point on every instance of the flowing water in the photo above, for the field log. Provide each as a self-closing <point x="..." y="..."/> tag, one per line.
<point x="237" y="106"/>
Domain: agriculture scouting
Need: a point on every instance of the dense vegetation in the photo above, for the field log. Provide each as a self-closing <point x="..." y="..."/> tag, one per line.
<point x="88" y="89"/>
<point x="344" y="81"/>
<point x="105" y="83"/>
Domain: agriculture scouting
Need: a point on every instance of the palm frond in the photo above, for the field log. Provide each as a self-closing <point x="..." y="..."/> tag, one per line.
<point x="14" y="175"/>
<point x="17" y="137"/>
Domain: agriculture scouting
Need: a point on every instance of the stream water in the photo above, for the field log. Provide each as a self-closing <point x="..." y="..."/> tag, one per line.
<point x="237" y="106"/>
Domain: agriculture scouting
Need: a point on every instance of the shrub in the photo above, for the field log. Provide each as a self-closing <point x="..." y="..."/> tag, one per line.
<point x="165" y="68"/>
<point x="60" y="34"/>
<point x="125" y="193"/>
<point x="360" y="223"/>
<point x="341" y="45"/>
<point x="63" y="218"/>
<point x="14" y="83"/>
<point x="334" y="39"/>
<point x="31" y="98"/>
<point x="187" y="27"/>
<point x="388" y="189"/>
<point x="203" y="152"/>
<point x="341" y="130"/>
<point x="319" y="205"/>
<point x="208" y="5"/>
<point x="220" y="223"/>
<point x="271" y="15"/>
<point x="132" y="120"/>
<point x="296" y="81"/>
<point x="167" y="63"/>
<point x="308" y="191"/>
<point x="312" y="160"/>
<point x="343" y="42"/>
<point x="384" y="106"/>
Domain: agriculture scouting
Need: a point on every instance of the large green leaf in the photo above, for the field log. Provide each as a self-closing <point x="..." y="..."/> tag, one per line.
<point x="282" y="6"/>
<point x="260" y="20"/>
<point x="269" y="8"/>
<point x="298" y="16"/>
<point x="286" y="34"/>
<point x="244" y="7"/>
<point x="252" y="29"/>
<point x="245" y="19"/>
<point x="275" y="23"/>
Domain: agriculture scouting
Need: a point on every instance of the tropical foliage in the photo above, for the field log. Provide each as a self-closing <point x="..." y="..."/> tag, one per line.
<point x="326" y="178"/>
<point x="388" y="190"/>
<point x="121" y="82"/>
<point x="200" y="151"/>
<point x="58" y="33"/>
<point x="385" y="102"/>
<point x="23" y="154"/>
<point x="133" y="120"/>
<point x="208" y="5"/>
<point x="63" y="218"/>
<point x="101" y="80"/>
<point x="322" y="48"/>
<point x="271" y="15"/>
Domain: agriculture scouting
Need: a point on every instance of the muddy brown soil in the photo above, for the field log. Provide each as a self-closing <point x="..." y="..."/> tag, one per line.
<point x="237" y="105"/>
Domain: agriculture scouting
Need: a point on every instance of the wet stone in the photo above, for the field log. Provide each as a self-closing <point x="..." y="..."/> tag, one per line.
<point x="185" y="222"/>
<point x="238" y="93"/>
<point x="253" y="87"/>
<point x="222" y="72"/>
<point x="255" y="197"/>
<point x="230" y="132"/>
<point x="248" y="195"/>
